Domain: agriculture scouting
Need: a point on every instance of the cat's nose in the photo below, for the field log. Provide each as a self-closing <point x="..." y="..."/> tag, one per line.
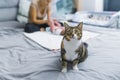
<point x="74" y="36"/>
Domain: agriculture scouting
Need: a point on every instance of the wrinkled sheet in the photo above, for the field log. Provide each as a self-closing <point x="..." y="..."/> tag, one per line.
<point x="23" y="59"/>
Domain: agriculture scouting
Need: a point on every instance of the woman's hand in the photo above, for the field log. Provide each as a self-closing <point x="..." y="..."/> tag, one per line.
<point x="50" y="21"/>
<point x="54" y="24"/>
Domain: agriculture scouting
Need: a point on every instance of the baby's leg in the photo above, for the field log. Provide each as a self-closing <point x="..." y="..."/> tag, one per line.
<point x="57" y="23"/>
<point x="54" y="24"/>
<point x="57" y="31"/>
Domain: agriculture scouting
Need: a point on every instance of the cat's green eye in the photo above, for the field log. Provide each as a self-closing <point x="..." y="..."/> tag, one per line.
<point x="79" y="34"/>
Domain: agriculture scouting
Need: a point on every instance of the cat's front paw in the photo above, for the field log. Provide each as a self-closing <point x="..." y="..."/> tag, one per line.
<point x="64" y="70"/>
<point x="75" y="68"/>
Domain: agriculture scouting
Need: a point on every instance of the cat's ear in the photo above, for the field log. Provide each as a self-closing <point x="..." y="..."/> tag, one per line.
<point x="80" y="25"/>
<point x="66" y="25"/>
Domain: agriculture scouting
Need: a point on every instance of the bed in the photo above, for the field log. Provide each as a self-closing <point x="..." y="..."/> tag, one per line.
<point x="23" y="59"/>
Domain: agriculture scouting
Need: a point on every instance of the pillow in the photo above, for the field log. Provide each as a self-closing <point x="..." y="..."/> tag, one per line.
<point x="96" y="18"/>
<point x="81" y="16"/>
<point x="23" y="11"/>
<point x="8" y="14"/>
<point x="22" y="19"/>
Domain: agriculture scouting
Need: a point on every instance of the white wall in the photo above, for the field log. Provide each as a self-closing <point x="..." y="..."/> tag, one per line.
<point x="92" y="5"/>
<point x="99" y="5"/>
<point x="88" y="5"/>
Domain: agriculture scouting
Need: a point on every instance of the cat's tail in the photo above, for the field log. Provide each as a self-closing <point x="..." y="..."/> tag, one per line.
<point x="85" y="44"/>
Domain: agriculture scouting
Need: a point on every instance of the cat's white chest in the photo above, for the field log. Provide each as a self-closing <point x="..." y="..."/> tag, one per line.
<point x="70" y="47"/>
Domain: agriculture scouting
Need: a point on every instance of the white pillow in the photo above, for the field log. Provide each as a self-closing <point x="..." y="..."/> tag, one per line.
<point x="80" y="16"/>
<point x="22" y="19"/>
<point x="23" y="11"/>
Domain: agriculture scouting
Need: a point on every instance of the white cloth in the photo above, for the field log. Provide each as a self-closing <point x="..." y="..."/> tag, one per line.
<point x="23" y="11"/>
<point x="57" y="31"/>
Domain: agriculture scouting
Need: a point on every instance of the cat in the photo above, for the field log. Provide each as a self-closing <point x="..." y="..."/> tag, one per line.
<point x="73" y="50"/>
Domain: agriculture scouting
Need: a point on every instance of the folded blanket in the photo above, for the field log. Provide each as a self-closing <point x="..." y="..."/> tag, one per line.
<point x="51" y="41"/>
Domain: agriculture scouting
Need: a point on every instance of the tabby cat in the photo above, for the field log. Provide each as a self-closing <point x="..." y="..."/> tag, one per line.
<point x="73" y="50"/>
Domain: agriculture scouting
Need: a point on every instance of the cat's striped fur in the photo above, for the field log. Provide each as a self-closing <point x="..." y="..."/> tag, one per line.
<point x="72" y="48"/>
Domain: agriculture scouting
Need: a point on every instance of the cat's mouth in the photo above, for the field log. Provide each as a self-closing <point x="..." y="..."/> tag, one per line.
<point x="74" y="37"/>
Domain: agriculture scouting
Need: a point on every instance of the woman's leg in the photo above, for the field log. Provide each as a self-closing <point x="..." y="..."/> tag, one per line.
<point x="29" y="28"/>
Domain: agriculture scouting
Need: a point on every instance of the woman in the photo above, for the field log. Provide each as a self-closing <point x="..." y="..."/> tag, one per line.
<point x="38" y="21"/>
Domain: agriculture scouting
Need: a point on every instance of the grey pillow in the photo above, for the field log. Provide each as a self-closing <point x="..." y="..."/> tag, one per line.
<point x="8" y="3"/>
<point x="8" y="9"/>
<point x="7" y="14"/>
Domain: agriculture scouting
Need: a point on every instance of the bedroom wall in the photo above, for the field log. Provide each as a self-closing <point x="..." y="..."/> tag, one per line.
<point x="65" y="6"/>
<point x="92" y="5"/>
<point x="99" y="5"/>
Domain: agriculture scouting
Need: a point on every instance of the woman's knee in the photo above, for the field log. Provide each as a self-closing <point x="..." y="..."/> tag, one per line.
<point x="29" y="28"/>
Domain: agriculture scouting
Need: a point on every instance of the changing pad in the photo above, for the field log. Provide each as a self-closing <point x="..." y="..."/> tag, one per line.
<point x="52" y="41"/>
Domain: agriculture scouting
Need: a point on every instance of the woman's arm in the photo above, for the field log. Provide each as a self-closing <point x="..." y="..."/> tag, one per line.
<point x="49" y="13"/>
<point x="49" y="18"/>
<point x="33" y="16"/>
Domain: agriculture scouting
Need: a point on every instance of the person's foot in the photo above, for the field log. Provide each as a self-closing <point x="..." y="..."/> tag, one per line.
<point x="42" y="29"/>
